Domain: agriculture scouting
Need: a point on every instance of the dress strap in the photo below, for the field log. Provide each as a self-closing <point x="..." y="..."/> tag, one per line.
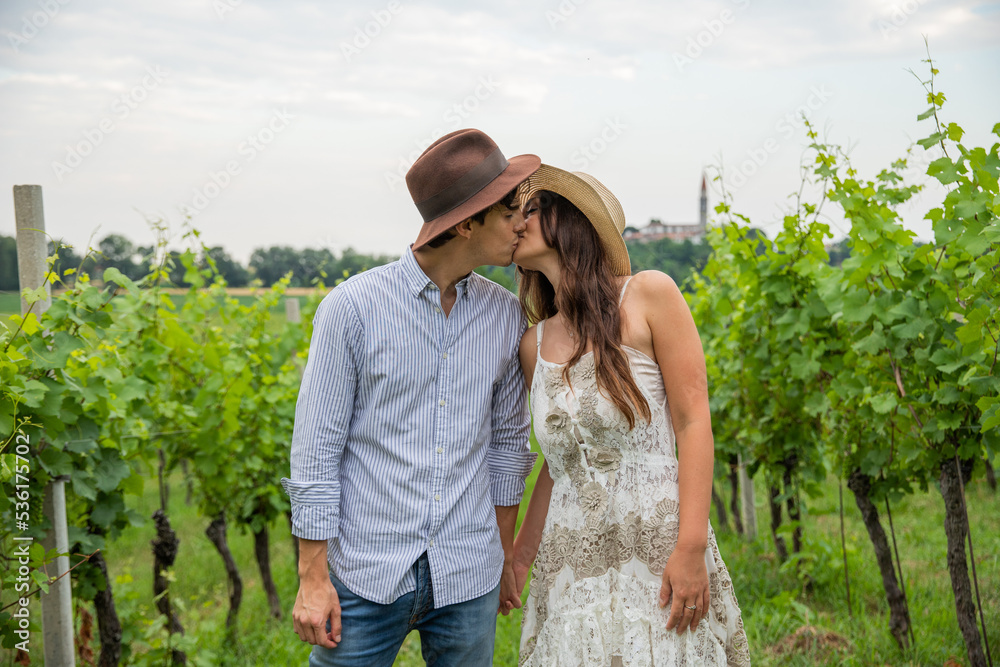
<point x="538" y="335"/>
<point x="624" y="287"/>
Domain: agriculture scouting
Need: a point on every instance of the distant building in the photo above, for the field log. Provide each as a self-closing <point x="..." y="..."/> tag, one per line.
<point x="656" y="229"/>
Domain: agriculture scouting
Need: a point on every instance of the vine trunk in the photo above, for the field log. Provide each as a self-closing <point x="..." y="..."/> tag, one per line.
<point x="899" y="613"/>
<point x="261" y="549"/>
<point x="956" y="527"/>
<point x="216" y="532"/>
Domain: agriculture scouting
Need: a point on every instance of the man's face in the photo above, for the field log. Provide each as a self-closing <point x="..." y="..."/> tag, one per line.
<point x="498" y="236"/>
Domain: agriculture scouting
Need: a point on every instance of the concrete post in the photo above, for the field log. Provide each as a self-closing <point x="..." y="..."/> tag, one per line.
<point x="57" y="604"/>
<point x="32" y="245"/>
<point x="292" y="312"/>
<point x="748" y="501"/>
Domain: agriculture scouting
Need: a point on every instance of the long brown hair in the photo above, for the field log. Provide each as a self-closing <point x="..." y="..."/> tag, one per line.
<point x="587" y="298"/>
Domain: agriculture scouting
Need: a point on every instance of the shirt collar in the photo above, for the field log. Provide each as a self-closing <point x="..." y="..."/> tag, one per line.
<point x="417" y="281"/>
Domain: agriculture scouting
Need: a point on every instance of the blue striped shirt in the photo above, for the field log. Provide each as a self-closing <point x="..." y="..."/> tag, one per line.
<point x="410" y="427"/>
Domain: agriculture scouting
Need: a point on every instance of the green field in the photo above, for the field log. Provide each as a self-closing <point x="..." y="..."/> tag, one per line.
<point x="10" y="304"/>
<point x="774" y="604"/>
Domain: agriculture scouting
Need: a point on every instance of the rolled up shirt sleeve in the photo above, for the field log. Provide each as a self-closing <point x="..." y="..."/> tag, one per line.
<point x="323" y="418"/>
<point x="509" y="455"/>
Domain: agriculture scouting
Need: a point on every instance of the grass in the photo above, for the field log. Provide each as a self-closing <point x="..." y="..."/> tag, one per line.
<point x="775" y="605"/>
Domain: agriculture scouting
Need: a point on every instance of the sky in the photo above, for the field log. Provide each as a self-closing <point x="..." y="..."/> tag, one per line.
<point x="261" y="123"/>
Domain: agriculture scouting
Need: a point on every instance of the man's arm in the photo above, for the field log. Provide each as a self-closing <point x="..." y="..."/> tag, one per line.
<point x="322" y="419"/>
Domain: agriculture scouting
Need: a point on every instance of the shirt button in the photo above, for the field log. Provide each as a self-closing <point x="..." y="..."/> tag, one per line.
<point x="437" y="496"/>
<point x="440" y="450"/>
<point x="436" y="309"/>
<point x="441" y="403"/>
<point x="445" y="355"/>
<point x="431" y="543"/>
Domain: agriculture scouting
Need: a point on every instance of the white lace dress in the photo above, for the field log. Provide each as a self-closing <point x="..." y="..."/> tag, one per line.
<point x="611" y="525"/>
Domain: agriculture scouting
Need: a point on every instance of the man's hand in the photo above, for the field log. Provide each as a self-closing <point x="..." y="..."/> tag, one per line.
<point x="317" y="603"/>
<point x="510" y="594"/>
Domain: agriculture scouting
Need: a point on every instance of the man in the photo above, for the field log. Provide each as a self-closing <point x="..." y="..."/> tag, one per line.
<point x="410" y="448"/>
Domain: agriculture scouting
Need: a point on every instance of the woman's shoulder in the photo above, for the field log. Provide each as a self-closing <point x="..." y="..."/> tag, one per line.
<point x="528" y="353"/>
<point x="529" y="335"/>
<point x="529" y="341"/>
<point x="653" y="284"/>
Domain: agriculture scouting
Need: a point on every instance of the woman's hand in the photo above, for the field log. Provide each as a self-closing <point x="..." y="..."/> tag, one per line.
<point x="685" y="585"/>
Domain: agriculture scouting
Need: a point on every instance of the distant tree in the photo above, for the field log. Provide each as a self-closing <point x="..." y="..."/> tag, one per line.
<point x="677" y="260"/>
<point x="66" y="258"/>
<point x="8" y="264"/>
<point x="146" y="259"/>
<point x="314" y="263"/>
<point x="838" y="252"/>
<point x="502" y="275"/>
<point x="175" y="268"/>
<point x="271" y="264"/>
<point x="353" y="262"/>
<point x="116" y="251"/>
<point x="234" y="272"/>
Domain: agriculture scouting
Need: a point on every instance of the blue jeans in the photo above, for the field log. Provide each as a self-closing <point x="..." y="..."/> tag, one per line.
<point x="459" y="635"/>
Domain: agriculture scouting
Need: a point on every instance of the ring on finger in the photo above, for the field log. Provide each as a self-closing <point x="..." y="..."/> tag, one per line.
<point x="692" y="608"/>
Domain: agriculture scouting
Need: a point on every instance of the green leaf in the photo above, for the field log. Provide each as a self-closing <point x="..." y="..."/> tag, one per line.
<point x="31" y="296"/>
<point x="932" y="140"/>
<point x="969" y="208"/>
<point x="927" y="114"/>
<point x="107" y="510"/>
<point x="82" y="486"/>
<point x="912" y="328"/>
<point x="870" y="344"/>
<point x="133" y="485"/>
<point x="945" y="171"/>
<point x="113" y="275"/>
<point x="947" y="360"/>
<point x="883" y="403"/>
<point x="29" y="323"/>
<point x="110" y="472"/>
<point x="955" y="132"/>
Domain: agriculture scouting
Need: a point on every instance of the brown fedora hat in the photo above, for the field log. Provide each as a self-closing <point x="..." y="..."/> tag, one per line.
<point x="459" y="175"/>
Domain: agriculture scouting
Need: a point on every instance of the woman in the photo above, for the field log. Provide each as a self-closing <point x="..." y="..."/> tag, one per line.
<point x="626" y="568"/>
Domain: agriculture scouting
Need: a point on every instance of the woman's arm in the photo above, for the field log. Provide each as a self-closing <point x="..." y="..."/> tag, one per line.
<point x="682" y="362"/>
<point x="530" y="534"/>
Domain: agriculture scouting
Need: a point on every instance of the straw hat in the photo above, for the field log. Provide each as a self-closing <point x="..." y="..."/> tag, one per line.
<point x="459" y="175"/>
<point x="595" y="201"/>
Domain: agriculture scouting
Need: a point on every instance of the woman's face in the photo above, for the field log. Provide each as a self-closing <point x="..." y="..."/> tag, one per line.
<point x="532" y="251"/>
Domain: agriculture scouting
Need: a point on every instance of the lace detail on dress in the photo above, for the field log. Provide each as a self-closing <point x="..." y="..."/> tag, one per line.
<point x="611" y="526"/>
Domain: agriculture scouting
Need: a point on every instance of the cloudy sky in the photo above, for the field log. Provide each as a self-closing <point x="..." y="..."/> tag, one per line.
<point x="293" y="122"/>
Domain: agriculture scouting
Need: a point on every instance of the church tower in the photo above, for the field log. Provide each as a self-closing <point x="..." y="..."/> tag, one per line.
<point x="703" y="211"/>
